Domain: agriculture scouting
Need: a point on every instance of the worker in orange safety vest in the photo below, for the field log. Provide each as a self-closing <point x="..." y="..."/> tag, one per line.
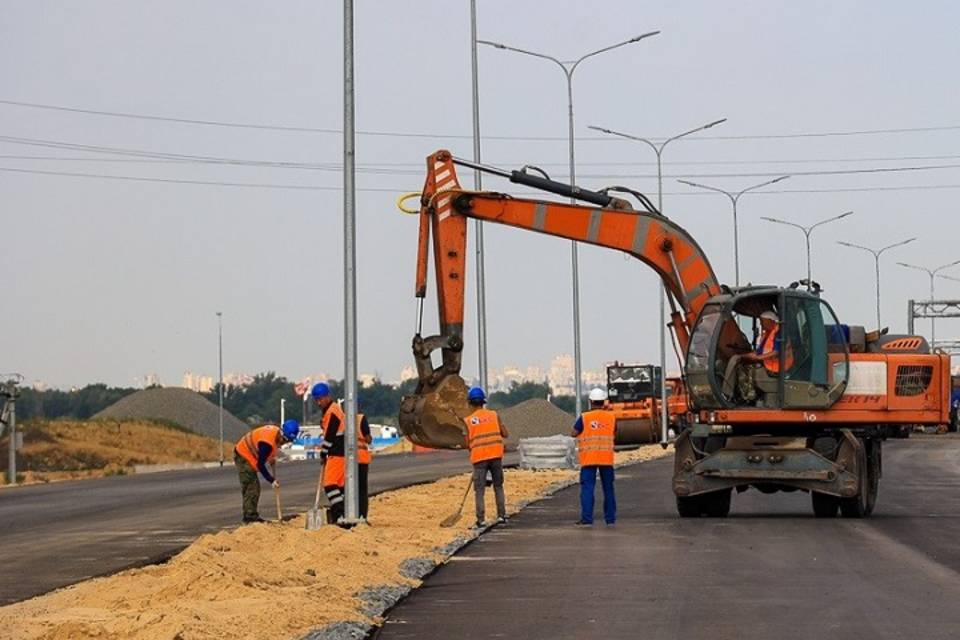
<point x="596" y="431"/>
<point x="255" y="452"/>
<point x="333" y="453"/>
<point x="485" y="435"/>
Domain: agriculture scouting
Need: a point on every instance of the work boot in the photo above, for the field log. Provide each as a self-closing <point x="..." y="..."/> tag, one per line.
<point x="583" y="523"/>
<point x="252" y="519"/>
<point x="478" y="524"/>
<point x="502" y="520"/>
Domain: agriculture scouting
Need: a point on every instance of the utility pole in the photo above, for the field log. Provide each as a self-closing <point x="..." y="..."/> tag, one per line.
<point x="806" y="232"/>
<point x="876" y="260"/>
<point x="478" y="185"/>
<point x="220" y="385"/>
<point x="11" y="392"/>
<point x="352" y="506"/>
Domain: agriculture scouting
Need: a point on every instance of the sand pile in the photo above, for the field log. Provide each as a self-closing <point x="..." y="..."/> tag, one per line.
<point x="276" y="580"/>
<point x="187" y="408"/>
<point x="535" y="418"/>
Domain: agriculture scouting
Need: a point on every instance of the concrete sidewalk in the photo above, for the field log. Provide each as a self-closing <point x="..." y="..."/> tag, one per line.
<point x="769" y="571"/>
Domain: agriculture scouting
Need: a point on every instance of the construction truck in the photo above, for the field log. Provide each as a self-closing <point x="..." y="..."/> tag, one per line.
<point x="633" y="394"/>
<point x="816" y="425"/>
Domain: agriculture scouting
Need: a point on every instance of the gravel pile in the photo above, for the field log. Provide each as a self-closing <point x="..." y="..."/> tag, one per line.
<point x="340" y="631"/>
<point x="187" y="408"/>
<point x="535" y="418"/>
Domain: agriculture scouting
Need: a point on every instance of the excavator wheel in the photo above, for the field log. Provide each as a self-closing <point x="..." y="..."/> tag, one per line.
<point x="689" y="506"/>
<point x="858" y="506"/>
<point x="717" y="504"/>
<point x="824" y="504"/>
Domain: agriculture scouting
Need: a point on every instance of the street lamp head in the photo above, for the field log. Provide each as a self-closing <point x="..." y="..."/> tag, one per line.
<point x="600" y="129"/>
<point x="780" y="179"/>
<point x="490" y="43"/>
<point x="715" y="123"/>
<point x="844" y="215"/>
<point x="642" y="36"/>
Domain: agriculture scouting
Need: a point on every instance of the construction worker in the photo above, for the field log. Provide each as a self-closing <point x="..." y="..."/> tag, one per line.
<point x="595" y="432"/>
<point x="333" y="453"/>
<point x="253" y="453"/>
<point x="745" y="369"/>
<point x="485" y="435"/>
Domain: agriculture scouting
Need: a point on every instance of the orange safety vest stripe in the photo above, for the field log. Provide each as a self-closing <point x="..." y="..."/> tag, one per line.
<point x="483" y="435"/>
<point x="595" y="442"/>
<point x="248" y="445"/>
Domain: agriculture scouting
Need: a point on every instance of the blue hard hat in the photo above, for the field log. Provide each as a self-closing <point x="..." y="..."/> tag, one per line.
<point x="290" y="429"/>
<point x="476" y="394"/>
<point x="320" y="390"/>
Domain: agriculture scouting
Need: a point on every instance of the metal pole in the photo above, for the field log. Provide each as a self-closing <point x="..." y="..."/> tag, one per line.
<point x="736" y="246"/>
<point x="577" y="368"/>
<point x="478" y="185"/>
<point x="283" y="410"/>
<point x="352" y="510"/>
<point x="933" y="321"/>
<point x="12" y="418"/>
<point x="220" y="385"/>
<point x="910" y="317"/>
<point x="877" y="260"/>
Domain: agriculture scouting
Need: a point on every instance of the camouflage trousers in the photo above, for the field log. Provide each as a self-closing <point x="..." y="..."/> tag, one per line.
<point x="249" y="487"/>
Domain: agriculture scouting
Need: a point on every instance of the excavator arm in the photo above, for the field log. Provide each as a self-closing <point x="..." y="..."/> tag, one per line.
<point x="433" y="415"/>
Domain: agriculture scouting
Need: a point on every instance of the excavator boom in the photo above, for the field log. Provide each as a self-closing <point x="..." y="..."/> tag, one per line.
<point x="433" y="416"/>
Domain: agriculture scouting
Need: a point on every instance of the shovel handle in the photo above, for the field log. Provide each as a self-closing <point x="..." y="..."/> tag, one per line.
<point x="276" y="495"/>
<point x="316" y="499"/>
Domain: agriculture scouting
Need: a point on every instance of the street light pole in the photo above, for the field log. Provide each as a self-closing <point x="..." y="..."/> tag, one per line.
<point x="806" y="232"/>
<point x="220" y="384"/>
<point x="658" y="150"/>
<point x="568" y="68"/>
<point x="876" y="258"/>
<point x="932" y="274"/>
<point x="478" y="185"/>
<point x="734" y="198"/>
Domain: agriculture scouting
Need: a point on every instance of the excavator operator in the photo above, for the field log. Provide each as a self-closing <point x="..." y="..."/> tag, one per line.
<point x="747" y="370"/>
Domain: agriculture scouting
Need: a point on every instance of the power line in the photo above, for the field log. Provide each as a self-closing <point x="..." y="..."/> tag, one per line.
<point x="204" y="159"/>
<point x="399" y="190"/>
<point x="399" y="134"/>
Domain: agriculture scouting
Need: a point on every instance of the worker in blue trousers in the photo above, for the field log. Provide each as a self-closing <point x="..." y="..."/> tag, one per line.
<point x="595" y="431"/>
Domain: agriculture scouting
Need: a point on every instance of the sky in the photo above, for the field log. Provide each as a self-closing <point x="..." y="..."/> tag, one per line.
<point x="109" y="279"/>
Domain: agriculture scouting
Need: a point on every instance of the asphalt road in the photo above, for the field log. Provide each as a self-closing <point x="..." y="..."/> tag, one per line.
<point x="770" y="570"/>
<point x="57" y="534"/>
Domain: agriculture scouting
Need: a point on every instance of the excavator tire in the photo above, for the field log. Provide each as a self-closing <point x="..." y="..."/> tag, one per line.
<point x="717" y="504"/>
<point x="689" y="506"/>
<point x="873" y="475"/>
<point x="824" y="504"/>
<point x="858" y="505"/>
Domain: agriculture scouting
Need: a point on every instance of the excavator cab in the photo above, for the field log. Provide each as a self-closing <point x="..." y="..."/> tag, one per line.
<point x="810" y="370"/>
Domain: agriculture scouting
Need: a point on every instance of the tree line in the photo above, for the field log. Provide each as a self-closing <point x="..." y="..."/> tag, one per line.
<point x="259" y="401"/>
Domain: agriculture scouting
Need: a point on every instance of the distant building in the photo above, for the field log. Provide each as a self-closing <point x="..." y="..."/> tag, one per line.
<point x="197" y="382"/>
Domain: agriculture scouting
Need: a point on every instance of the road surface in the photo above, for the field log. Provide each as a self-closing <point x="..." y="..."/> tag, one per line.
<point x="769" y="571"/>
<point x="57" y="534"/>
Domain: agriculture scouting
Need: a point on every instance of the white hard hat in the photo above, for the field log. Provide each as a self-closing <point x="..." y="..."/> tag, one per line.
<point x="769" y="315"/>
<point x="597" y="395"/>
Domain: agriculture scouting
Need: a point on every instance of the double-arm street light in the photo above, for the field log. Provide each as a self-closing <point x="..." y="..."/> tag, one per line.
<point x="734" y="198"/>
<point x="569" y="67"/>
<point x="658" y="149"/>
<point x="806" y="232"/>
<point x="932" y="273"/>
<point x="876" y="260"/>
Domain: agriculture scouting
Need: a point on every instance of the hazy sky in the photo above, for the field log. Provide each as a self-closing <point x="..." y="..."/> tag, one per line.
<point x="106" y="280"/>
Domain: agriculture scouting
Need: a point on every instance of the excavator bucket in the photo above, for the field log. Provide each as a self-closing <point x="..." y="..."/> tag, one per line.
<point x="433" y="416"/>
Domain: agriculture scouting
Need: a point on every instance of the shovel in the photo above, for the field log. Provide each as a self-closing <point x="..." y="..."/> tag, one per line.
<point x="452" y="519"/>
<point x="276" y="496"/>
<point x="317" y="517"/>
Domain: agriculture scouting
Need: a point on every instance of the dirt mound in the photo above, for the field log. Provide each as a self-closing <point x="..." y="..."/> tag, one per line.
<point x="184" y="407"/>
<point x="535" y="418"/>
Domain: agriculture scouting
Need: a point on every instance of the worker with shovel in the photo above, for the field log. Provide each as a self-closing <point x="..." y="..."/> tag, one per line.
<point x="595" y="432"/>
<point x="333" y="452"/>
<point x="253" y="453"/>
<point x="485" y="435"/>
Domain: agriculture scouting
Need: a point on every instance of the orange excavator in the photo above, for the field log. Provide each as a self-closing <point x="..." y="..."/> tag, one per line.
<point x="816" y="425"/>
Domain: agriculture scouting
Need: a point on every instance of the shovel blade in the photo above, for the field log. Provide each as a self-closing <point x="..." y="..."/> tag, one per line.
<point x="316" y="518"/>
<point x="451" y="520"/>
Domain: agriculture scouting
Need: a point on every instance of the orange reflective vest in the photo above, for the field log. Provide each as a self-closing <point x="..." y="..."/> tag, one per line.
<point x="248" y="446"/>
<point x="363" y="449"/>
<point x="595" y="442"/>
<point x="483" y="436"/>
<point x="769" y="345"/>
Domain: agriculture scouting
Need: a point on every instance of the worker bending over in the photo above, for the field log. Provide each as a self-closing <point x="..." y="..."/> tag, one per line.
<point x="333" y="453"/>
<point x="485" y="435"/>
<point x="255" y="452"/>
<point x="595" y="432"/>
